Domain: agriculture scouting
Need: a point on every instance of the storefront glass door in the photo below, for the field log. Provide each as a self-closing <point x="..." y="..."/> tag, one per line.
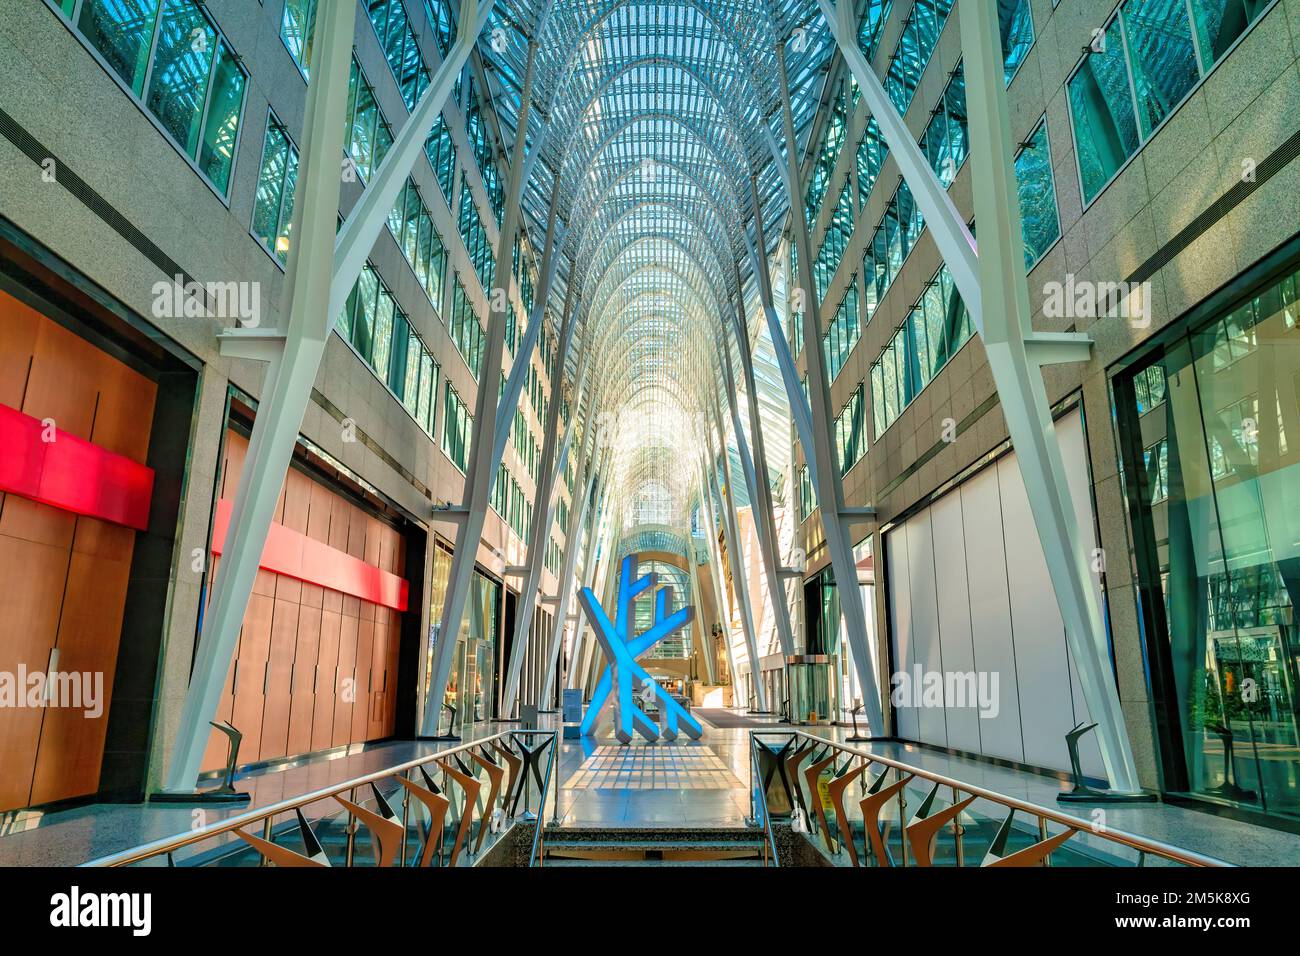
<point x="1211" y="434"/>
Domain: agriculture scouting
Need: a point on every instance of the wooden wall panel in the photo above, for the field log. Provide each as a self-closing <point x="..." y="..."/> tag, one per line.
<point x="65" y="577"/>
<point x="72" y="742"/>
<point x="250" y="673"/>
<point x="330" y="659"/>
<point x="346" y="694"/>
<point x="326" y="693"/>
<point x="34" y="576"/>
<point x="302" y="685"/>
<point x="279" y="674"/>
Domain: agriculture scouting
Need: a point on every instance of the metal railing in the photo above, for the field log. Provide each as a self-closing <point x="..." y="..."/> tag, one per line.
<point x="759" y="813"/>
<point x="809" y="777"/>
<point x="439" y="792"/>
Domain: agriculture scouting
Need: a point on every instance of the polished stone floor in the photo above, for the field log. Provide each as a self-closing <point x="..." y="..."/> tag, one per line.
<point x="702" y="783"/>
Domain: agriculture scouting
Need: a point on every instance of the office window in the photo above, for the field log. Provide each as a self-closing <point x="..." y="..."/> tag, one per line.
<point x="393" y="29"/>
<point x="465" y="329"/>
<point x="457" y="428"/>
<point x="411" y="225"/>
<point x="1158" y="36"/>
<point x="873" y="21"/>
<point x="273" y="202"/>
<point x="369" y="136"/>
<point x="195" y="83"/>
<point x="1150" y="57"/>
<point x="1101" y="106"/>
<point x="807" y="496"/>
<point x="474" y="235"/>
<point x="382" y="335"/>
<point x="820" y="177"/>
<point x="1219" y="23"/>
<point x="122" y="31"/>
<point x="296" y="29"/>
<point x="872" y="150"/>
<point x="441" y="152"/>
<point x="915" y="46"/>
<point x="221" y="123"/>
<point x="835" y="241"/>
<point x="937" y="326"/>
<point x="842" y="335"/>
<point x="1040" y="225"/>
<point x="890" y="244"/>
<point x="442" y="18"/>
<point x="1016" y="26"/>
<point x="945" y="142"/>
<point x="850" y="432"/>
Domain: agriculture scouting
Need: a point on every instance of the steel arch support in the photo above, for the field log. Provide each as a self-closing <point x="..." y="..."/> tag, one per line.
<point x="753" y="485"/>
<point x="993" y="286"/>
<point x="577" y="516"/>
<point x="715" y="565"/>
<point x="735" y="556"/>
<point x="761" y="491"/>
<point x="830" y="494"/>
<point x="286" y="391"/>
<point x="1007" y="332"/>
<point x="489" y="435"/>
<point x="543" y="511"/>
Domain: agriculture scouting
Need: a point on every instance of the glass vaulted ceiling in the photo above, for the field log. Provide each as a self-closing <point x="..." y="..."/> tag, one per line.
<point x="658" y="115"/>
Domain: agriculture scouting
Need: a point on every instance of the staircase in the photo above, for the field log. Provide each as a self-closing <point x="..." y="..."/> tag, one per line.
<point x="652" y="846"/>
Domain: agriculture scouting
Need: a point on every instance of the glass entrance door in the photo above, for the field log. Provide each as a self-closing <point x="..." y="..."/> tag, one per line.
<point x="1211" y="434"/>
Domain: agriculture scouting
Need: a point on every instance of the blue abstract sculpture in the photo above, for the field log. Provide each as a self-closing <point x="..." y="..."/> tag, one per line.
<point x="623" y="674"/>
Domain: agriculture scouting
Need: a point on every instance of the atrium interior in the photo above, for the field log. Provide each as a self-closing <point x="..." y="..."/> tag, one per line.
<point x="592" y="433"/>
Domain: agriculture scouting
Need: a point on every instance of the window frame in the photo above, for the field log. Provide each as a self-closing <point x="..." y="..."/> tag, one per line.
<point x="69" y="21"/>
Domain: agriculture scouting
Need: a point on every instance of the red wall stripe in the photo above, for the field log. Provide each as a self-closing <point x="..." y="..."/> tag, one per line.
<point x="295" y="555"/>
<point x="72" y="473"/>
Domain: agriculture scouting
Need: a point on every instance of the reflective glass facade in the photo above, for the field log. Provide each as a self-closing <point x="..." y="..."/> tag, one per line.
<point x="1210" y="428"/>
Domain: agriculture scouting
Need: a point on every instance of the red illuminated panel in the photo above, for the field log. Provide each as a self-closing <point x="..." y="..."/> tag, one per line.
<point x="72" y="473"/>
<point x="297" y="556"/>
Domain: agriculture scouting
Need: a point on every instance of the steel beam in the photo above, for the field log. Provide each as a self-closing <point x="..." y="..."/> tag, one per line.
<point x="1007" y="332"/>
<point x="736" y="555"/>
<point x="488" y="442"/>
<point x="715" y="564"/>
<point x="758" y="478"/>
<point x="830" y="494"/>
<point x="992" y="285"/>
<point x="285" y="392"/>
<point x="543" y="504"/>
<point x="586" y="485"/>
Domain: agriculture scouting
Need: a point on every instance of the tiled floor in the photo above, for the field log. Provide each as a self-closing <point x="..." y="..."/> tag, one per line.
<point x="685" y="783"/>
<point x="653" y="768"/>
<point x="671" y="785"/>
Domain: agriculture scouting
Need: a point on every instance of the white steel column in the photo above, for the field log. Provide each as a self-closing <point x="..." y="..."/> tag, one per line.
<point x="579" y="509"/>
<point x="758" y="478"/>
<point x="294" y="361"/>
<point x="294" y="355"/>
<point x="706" y="646"/>
<point x="736" y="557"/>
<point x="1008" y="338"/>
<point x="997" y="296"/>
<point x="543" y="504"/>
<point x="752" y="482"/>
<point x="488" y="442"/>
<point x="719" y="581"/>
<point x="830" y="494"/>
